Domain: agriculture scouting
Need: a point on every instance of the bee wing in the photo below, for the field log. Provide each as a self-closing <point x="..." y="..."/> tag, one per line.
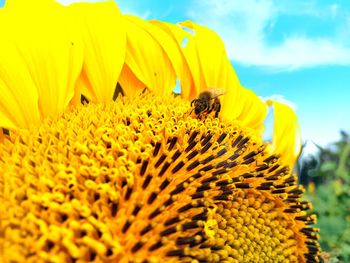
<point x="216" y="92"/>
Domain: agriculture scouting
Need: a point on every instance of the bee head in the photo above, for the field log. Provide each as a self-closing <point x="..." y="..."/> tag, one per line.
<point x="199" y="106"/>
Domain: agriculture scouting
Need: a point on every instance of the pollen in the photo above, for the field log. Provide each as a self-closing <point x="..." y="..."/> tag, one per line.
<point x="142" y="180"/>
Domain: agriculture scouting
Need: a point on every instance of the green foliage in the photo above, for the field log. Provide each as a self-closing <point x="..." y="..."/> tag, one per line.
<point x="326" y="176"/>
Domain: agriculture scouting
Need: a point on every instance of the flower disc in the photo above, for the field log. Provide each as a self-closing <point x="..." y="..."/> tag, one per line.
<point x="142" y="180"/>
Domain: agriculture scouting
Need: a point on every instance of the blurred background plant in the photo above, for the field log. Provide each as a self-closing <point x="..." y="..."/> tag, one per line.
<point x="326" y="176"/>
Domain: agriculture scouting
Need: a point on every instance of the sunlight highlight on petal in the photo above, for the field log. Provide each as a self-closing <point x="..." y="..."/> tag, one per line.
<point x="104" y="54"/>
<point x="286" y="139"/>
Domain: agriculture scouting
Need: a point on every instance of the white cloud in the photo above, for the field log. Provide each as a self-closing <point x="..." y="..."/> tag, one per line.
<point x="67" y="2"/>
<point x="124" y="7"/>
<point x="334" y="9"/>
<point x="146" y="14"/>
<point x="244" y="25"/>
<point x="280" y="98"/>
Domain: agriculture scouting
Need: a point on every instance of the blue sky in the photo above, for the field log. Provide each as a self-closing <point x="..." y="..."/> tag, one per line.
<point x="297" y="51"/>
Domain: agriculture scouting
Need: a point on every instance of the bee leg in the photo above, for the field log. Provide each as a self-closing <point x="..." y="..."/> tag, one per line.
<point x="217" y="111"/>
<point x="211" y="108"/>
<point x="193" y="101"/>
<point x="217" y="106"/>
<point x="205" y="110"/>
<point x="207" y="107"/>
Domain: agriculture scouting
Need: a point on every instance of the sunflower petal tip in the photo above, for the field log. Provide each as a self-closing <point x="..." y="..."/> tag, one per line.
<point x="286" y="132"/>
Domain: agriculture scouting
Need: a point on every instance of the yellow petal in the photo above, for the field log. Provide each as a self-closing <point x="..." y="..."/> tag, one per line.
<point x="231" y="103"/>
<point x="18" y="93"/>
<point x="240" y="103"/>
<point x="27" y="4"/>
<point x="211" y="55"/>
<point x="205" y="55"/>
<point x="253" y="110"/>
<point x="50" y="48"/>
<point x="105" y="43"/>
<point x="161" y="31"/>
<point x="286" y="139"/>
<point x="130" y="84"/>
<point x="189" y="50"/>
<point x="146" y="57"/>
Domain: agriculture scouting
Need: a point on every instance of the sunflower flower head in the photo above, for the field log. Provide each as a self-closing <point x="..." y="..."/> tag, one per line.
<point x="133" y="174"/>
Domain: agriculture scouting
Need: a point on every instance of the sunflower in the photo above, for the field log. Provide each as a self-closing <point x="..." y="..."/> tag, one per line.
<point x="101" y="162"/>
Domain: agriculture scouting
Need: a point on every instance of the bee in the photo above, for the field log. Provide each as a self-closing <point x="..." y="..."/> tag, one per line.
<point x="208" y="101"/>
